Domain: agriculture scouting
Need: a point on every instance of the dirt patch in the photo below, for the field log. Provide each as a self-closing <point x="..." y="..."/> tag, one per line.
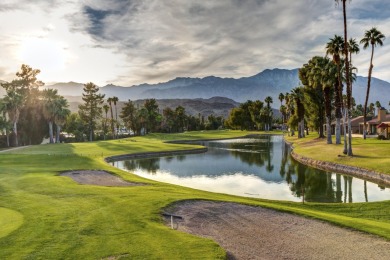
<point x="247" y="232"/>
<point x="100" y="178"/>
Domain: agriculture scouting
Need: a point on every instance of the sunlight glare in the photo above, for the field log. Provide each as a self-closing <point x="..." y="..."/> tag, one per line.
<point x="43" y="54"/>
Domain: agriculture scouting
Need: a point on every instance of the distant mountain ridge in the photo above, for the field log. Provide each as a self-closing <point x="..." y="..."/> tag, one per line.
<point x="269" y="82"/>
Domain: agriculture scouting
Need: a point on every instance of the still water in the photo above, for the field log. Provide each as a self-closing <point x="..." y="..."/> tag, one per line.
<point x="258" y="167"/>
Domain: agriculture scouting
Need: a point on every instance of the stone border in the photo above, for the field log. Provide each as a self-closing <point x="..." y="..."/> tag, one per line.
<point x="373" y="176"/>
<point x="154" y="154"/>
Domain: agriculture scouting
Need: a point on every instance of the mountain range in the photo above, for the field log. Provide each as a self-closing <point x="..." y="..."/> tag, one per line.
<point x="269" y="82"/>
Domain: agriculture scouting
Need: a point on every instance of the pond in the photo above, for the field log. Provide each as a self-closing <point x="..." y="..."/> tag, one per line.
<point x="258" y="167"/>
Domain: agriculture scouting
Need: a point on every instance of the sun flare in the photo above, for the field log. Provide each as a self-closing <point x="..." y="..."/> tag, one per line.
<point x="43" y="54"/>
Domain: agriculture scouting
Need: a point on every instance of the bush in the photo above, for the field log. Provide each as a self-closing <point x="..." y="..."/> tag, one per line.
<point x="381" y="137"/>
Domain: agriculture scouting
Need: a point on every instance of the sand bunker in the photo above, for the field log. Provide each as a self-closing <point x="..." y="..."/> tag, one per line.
<point x="247" y="232"/>
<point x="100" y="178"/>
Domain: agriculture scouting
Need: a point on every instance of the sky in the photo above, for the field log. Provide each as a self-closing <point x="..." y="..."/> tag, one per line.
<point x="128" y="42"/>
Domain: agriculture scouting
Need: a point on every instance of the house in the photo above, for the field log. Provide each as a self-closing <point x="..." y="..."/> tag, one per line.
<point x="378" y="125"/>
<point x="355" y="125"/>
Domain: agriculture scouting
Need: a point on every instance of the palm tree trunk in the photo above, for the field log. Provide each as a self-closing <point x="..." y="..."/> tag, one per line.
<point x="337" y="132"/>
<point x="345" y="114"/>
<point x="328" y="131"/>
<point x="368" y="92"/>
<point x="58" y="133"/>
<point x="365" y="191"/>
<point x="15" y="130"/>
<point x="112" y="122"/>
<point x="347" y="148"/>
<point x="51" y="132"/>
<point x="116" y="120"/>
<point x="7" y="134"/>
<point x="349" y="153"/>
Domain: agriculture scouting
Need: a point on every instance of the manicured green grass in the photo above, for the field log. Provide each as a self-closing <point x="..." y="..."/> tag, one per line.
<point x="10" y="220"/>
<point x="369" y="154"/>
<point x="66" y="220"/>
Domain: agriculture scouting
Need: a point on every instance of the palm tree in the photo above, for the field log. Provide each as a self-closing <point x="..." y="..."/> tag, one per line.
<point x="371" y="108"/>
<point x="114" y="100"/>
<point x="110" y="101"/>
<point x="105" y="108"/>
<point x="353" y="48"/>
<point x="297" y="95"/>
<point x="334" y="47"/>
<point x="371" y="37"/>
<point x="323" y="72"/>
<point x="281" y="98"/>
<point x="268" y="100"/>
<point x="50" y="109"/>
<point x="62" y="112"/>
<point x="13" y="102"/>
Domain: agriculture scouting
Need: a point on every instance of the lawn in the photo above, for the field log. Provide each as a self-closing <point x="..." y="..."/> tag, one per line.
<point x="52" y="217"/>
<point x="369" y="154"/>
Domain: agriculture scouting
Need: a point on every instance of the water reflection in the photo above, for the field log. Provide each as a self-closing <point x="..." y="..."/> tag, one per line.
<point x="255" y="167"/>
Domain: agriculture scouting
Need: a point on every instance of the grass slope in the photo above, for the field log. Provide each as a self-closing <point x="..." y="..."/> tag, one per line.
<point x="65" y="220"/>
<point x="369" y="154"/>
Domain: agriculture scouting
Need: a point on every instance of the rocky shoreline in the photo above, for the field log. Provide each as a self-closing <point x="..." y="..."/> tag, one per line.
<point x="370" y="175"/>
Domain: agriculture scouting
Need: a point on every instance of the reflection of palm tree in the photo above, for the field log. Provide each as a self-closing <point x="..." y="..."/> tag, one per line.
<point x="345" y="189"/>
<point x="339" y="192"/>
<point x="365" y="191"/>
<point x="350" y="189"/>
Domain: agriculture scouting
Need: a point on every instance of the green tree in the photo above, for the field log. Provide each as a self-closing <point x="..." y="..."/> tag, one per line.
<point x="311" y="77"/>
<point x="154" y="118"/>
<point x="129" y="116"/>
<point x="371" y="37"/>
<point x="169" y="119"/>
<point x="298" y="96"/>
<point x="255" y="110"/>
<point x="334" y="47"/>
<point x="180" y="115"/>
<point x="268" y="112"/>
<point x="22" y="98"/>
<point x="91" y="110"/>
<point x="75" y="125"/>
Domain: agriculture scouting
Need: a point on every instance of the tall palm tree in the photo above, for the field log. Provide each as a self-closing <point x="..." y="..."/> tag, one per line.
<point x="297" y="96"/>
<point x="114" y="100"/>
<point x="371" y="37"/>
<point x="50" y="109"/>
<point x="268" y="100"/>
<point x="334" y="47"/>
<point x="62" y="112"/>
<point x="105" y="108"/>
<point x="110" y="101"/>
<point x="281" y="98"/>
<point x="353" y="48"/>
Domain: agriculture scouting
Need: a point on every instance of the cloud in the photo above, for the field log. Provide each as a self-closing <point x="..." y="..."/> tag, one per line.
<point x="204" y="37"/>
<point x="160" y="40"/>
